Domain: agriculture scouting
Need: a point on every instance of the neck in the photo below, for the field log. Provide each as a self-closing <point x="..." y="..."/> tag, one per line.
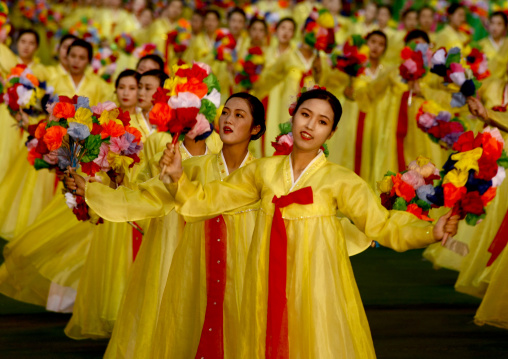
<point x="300" y="160"/>
<point x="498" y="39"/>
<point x="77" y="78"/>
<point x="26" y="61"/>
<point x="234" y="155"/>
<point x="283" y="47"/>
<point x="306" y="52"/>
<point x="130" y="109"/>
<point x="256" y="43"/>
<point x="374" y="63"/>
<point x="195" y="148"/>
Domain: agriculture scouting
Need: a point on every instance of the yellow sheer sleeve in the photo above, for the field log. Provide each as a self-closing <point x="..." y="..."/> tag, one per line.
<point x="197" y="202"/>
<point x="394" y="229"/>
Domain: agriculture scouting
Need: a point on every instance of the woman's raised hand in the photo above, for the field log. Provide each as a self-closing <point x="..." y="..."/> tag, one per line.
<point x="74" y="182"/>
<point x="171" y="163"/>
<point x="446" y="226"/>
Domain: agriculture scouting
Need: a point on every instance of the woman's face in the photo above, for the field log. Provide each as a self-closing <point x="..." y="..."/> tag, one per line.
<point x="27" y="45"/>
<point x="383" y="16"/>
<point x="285" y="32"/>
<point x="411" y="21"/>
<point x="236" y="24"/>
<point x="127" y="92"/>
<point x="497" y="27"/>
<point x="62" y="52"/>
<point x="146" y="89"/>
<point x="334" y="6"/>
<point x="211" y="23"/>
<point x="147" y="65"/>
<point x="78" y="60"/>
<point x="257" y="33"/>
<point x="458" y="18"/>
<point x="377" y="46"/>
<point x="426" y="19"/>
<point x="312" y="125"/>
<point x="235" y="122"/>
<point x="196" y="23"/>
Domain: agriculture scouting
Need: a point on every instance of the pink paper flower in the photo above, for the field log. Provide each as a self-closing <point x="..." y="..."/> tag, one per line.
<point x="439" y="57"/>
<point x="102" y="159"/>
<point x="456" y="67"/>
<point x="499" y="177"/>
<point x="494" y="132"/>
<point x="184" y="100"/>
<point x="104" y="106"/>
<point x="425" y="171"/>
<point x="32" y="144"/>
<point x="286" y="139"/>
<point x="119" y="144"/>
<point x="414" y="179"/>
<point x="204" y="66"/>
<point x="411" y="66"/>
<point x="202" y="126"/>
<point x="427" y="120"/>
<point x="51" y="157"/>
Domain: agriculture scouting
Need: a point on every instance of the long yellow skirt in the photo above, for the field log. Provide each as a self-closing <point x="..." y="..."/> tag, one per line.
<point x="103" y="282"/>
<point x="11" y="141"/>
<point x="133" y="333"/>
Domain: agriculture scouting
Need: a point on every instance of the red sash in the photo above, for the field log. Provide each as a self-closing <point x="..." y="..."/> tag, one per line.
<point x="359" y="142"/>
<point x="211" y="343"/>
<point x="402" y="131"/>
<point x="137" y="238"/>
<point x="277" y="344"/>
<point x="499" y="242"/>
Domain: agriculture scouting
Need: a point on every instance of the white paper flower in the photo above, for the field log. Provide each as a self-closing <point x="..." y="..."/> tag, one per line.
<point x="184" y="100"/>
<point x="499" y="177"/>
<point x="70" y="200"/>
<point x="213" y="97"/>
<point x="439" y="57"/>
<point x="494" y="132"/>
<point x="24" y="95"/>
<point x="458" y="78"/>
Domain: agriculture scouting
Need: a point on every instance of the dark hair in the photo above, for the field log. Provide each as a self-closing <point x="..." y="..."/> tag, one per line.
<point x="237" y="10"/>
<point x="408" y="11"/>
<point x="257" y="109"/>
<point x="29" y="31"/>
<point x="260" y="20"/>
<point x="67" y="37"/>
<point x="284" y="19"/>
<point x="387" y="7"/>
<point x="84" y="44"/>
<point x="453" y="8"/>
<point x="415" y="34"/>
<point x="323" y="95"/>
<point x="378" y="33"/>
<point x="426" y="7"/>
<point x="161" y="75"/>
<point x="502" y="15"/>
<point x="213" y="11"/>
<point x="126" y="73"/>
<point x="154" y="58"/>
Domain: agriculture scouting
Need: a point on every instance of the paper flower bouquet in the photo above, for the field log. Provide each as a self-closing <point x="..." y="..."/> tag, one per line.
<point x="408" y="190"/>
<point x="249" y="68"/>
<point x="442" y="127"/>
<point x="104" y="63"/>
<point x="319" y="30"/>
<point x="353" y="58"/>
<point x="146" y="49"/>
<point x="124" y="43"/>
<point x="224" y="46"/>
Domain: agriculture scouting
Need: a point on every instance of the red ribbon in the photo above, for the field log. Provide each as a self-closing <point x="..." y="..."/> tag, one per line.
<point x="277" y="344"/>
<point x="500" y="241"/>
<point x="211" y="343"/>
<point x="264" y="101"/>
<point x="359" y="142"/>
<point x="137" y="238"/>
<point x="304" y="75"/>
<point x="402" y="131"/>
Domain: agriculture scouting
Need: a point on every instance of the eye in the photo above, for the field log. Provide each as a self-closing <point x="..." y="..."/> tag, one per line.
<point x="322" y="122"/>
<point x="305" y="114"/>
<point x="224" y="112"/>
<point x="239" y="115"/>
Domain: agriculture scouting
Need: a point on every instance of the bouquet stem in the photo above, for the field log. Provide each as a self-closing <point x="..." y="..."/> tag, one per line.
<point x="410" y="98"/>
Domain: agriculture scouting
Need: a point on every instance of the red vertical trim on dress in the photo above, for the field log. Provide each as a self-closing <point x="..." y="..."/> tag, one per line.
<point x="304" y="75"/>
<point x="211" y="343"/>
<point x="137" y="238"/>
<point x="359" y="142"/>
<point x="500" y="241"/>
<point x="277" y="343"/>
<point x="167" y="65"/>
<point x="402" y="131"/>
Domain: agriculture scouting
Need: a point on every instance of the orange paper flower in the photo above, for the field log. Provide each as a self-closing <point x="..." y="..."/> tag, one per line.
<point x="135" y="132"/>
<point x="418" y="212"/>
<point x="41" y="130"/>
<point x="160" y="115"/>
<point x="452" y="194"/>
<point x="64" y="110"/>
<point x="33" y="80"/>
<point x="53" y="137"/>
<point x="402" y="189"/>
<point x="488" y="196"/>
<point x="112" y="129"/>
<point x="194" y="86"/>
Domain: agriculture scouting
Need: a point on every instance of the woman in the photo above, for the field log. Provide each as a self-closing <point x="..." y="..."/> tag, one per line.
<point x="298" y="257"/>
<point x="201" y="45"/>
<point x="51" y="280"/>
<point x="62" y="68"/>
<point x="242" y="120"/>
<point x="453" y="34"/>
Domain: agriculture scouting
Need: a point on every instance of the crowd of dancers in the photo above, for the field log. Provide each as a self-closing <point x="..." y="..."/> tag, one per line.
<point x="208" y="244"/>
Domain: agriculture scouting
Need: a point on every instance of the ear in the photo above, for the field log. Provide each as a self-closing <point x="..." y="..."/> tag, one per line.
<point x="255" y="130"/>
<point x="331" y="134"/>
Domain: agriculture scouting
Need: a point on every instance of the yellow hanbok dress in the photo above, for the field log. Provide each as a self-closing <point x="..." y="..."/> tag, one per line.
<point x="91" y="86"/>
<point x="448" y="37"/>
<point x="184" y="303"/>
<point x="490" y="47"/>
<point x="200" y="49"/>
<point x="324" y="310"/>
<point x="11" y="141"/>
<point x="116" y="21"/>
<point x="50" y="253"/>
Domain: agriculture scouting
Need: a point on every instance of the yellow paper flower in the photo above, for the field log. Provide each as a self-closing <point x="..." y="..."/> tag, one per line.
<point x="326" y="20"/>
<point x="83" y="116"/>
<point x="258" y="60"/>
<point x="171" y="83"/>
<point x="468" y="160"/>
<point x="422" y="160"/>
<point x="385" y="185"/>
<point x="175" y="68"/>
<point x="107" y="116"/>
<point x="431" y="107"/>
<point x="118" y="162"/>
<point x="456" y="177"/>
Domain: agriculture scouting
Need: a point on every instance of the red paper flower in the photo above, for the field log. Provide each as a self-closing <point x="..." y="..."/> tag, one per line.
<point x="472" y="203"/>
<point x="418" y="212"/>
<point x="488" y="168"/>
<point x="112" y="129"/>
<point x="96" y="129"/>
<point x="32" y="155"/>
<point x="465" y="142"/>
<point x="54" y="136"/>
<point x="124" y="116"/>
<point x="90" y="168"/>
<point x="81" y="210"/>
<point x="402" y="189"/>
<point x="195" y="71"/>
<point x="64" y="110"/>
<point x="489" y="196"/>
<point x="194" y="86"/>
<point x="452" y="194"/>
<point x="160" y="96"/>
<point x="160" y="115"/>
<point x="40" y="131"/>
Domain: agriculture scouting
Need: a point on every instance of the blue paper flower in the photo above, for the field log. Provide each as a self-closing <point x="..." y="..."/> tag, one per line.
<point x="424" y="191"/>
<point x="64" y="158"/>
<point x="78" y="131"/>
<point x="438" y="197"/>
<point x="475" y="184"/>
<point x="83" y="102"/>
<point x="458" y="99"/>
